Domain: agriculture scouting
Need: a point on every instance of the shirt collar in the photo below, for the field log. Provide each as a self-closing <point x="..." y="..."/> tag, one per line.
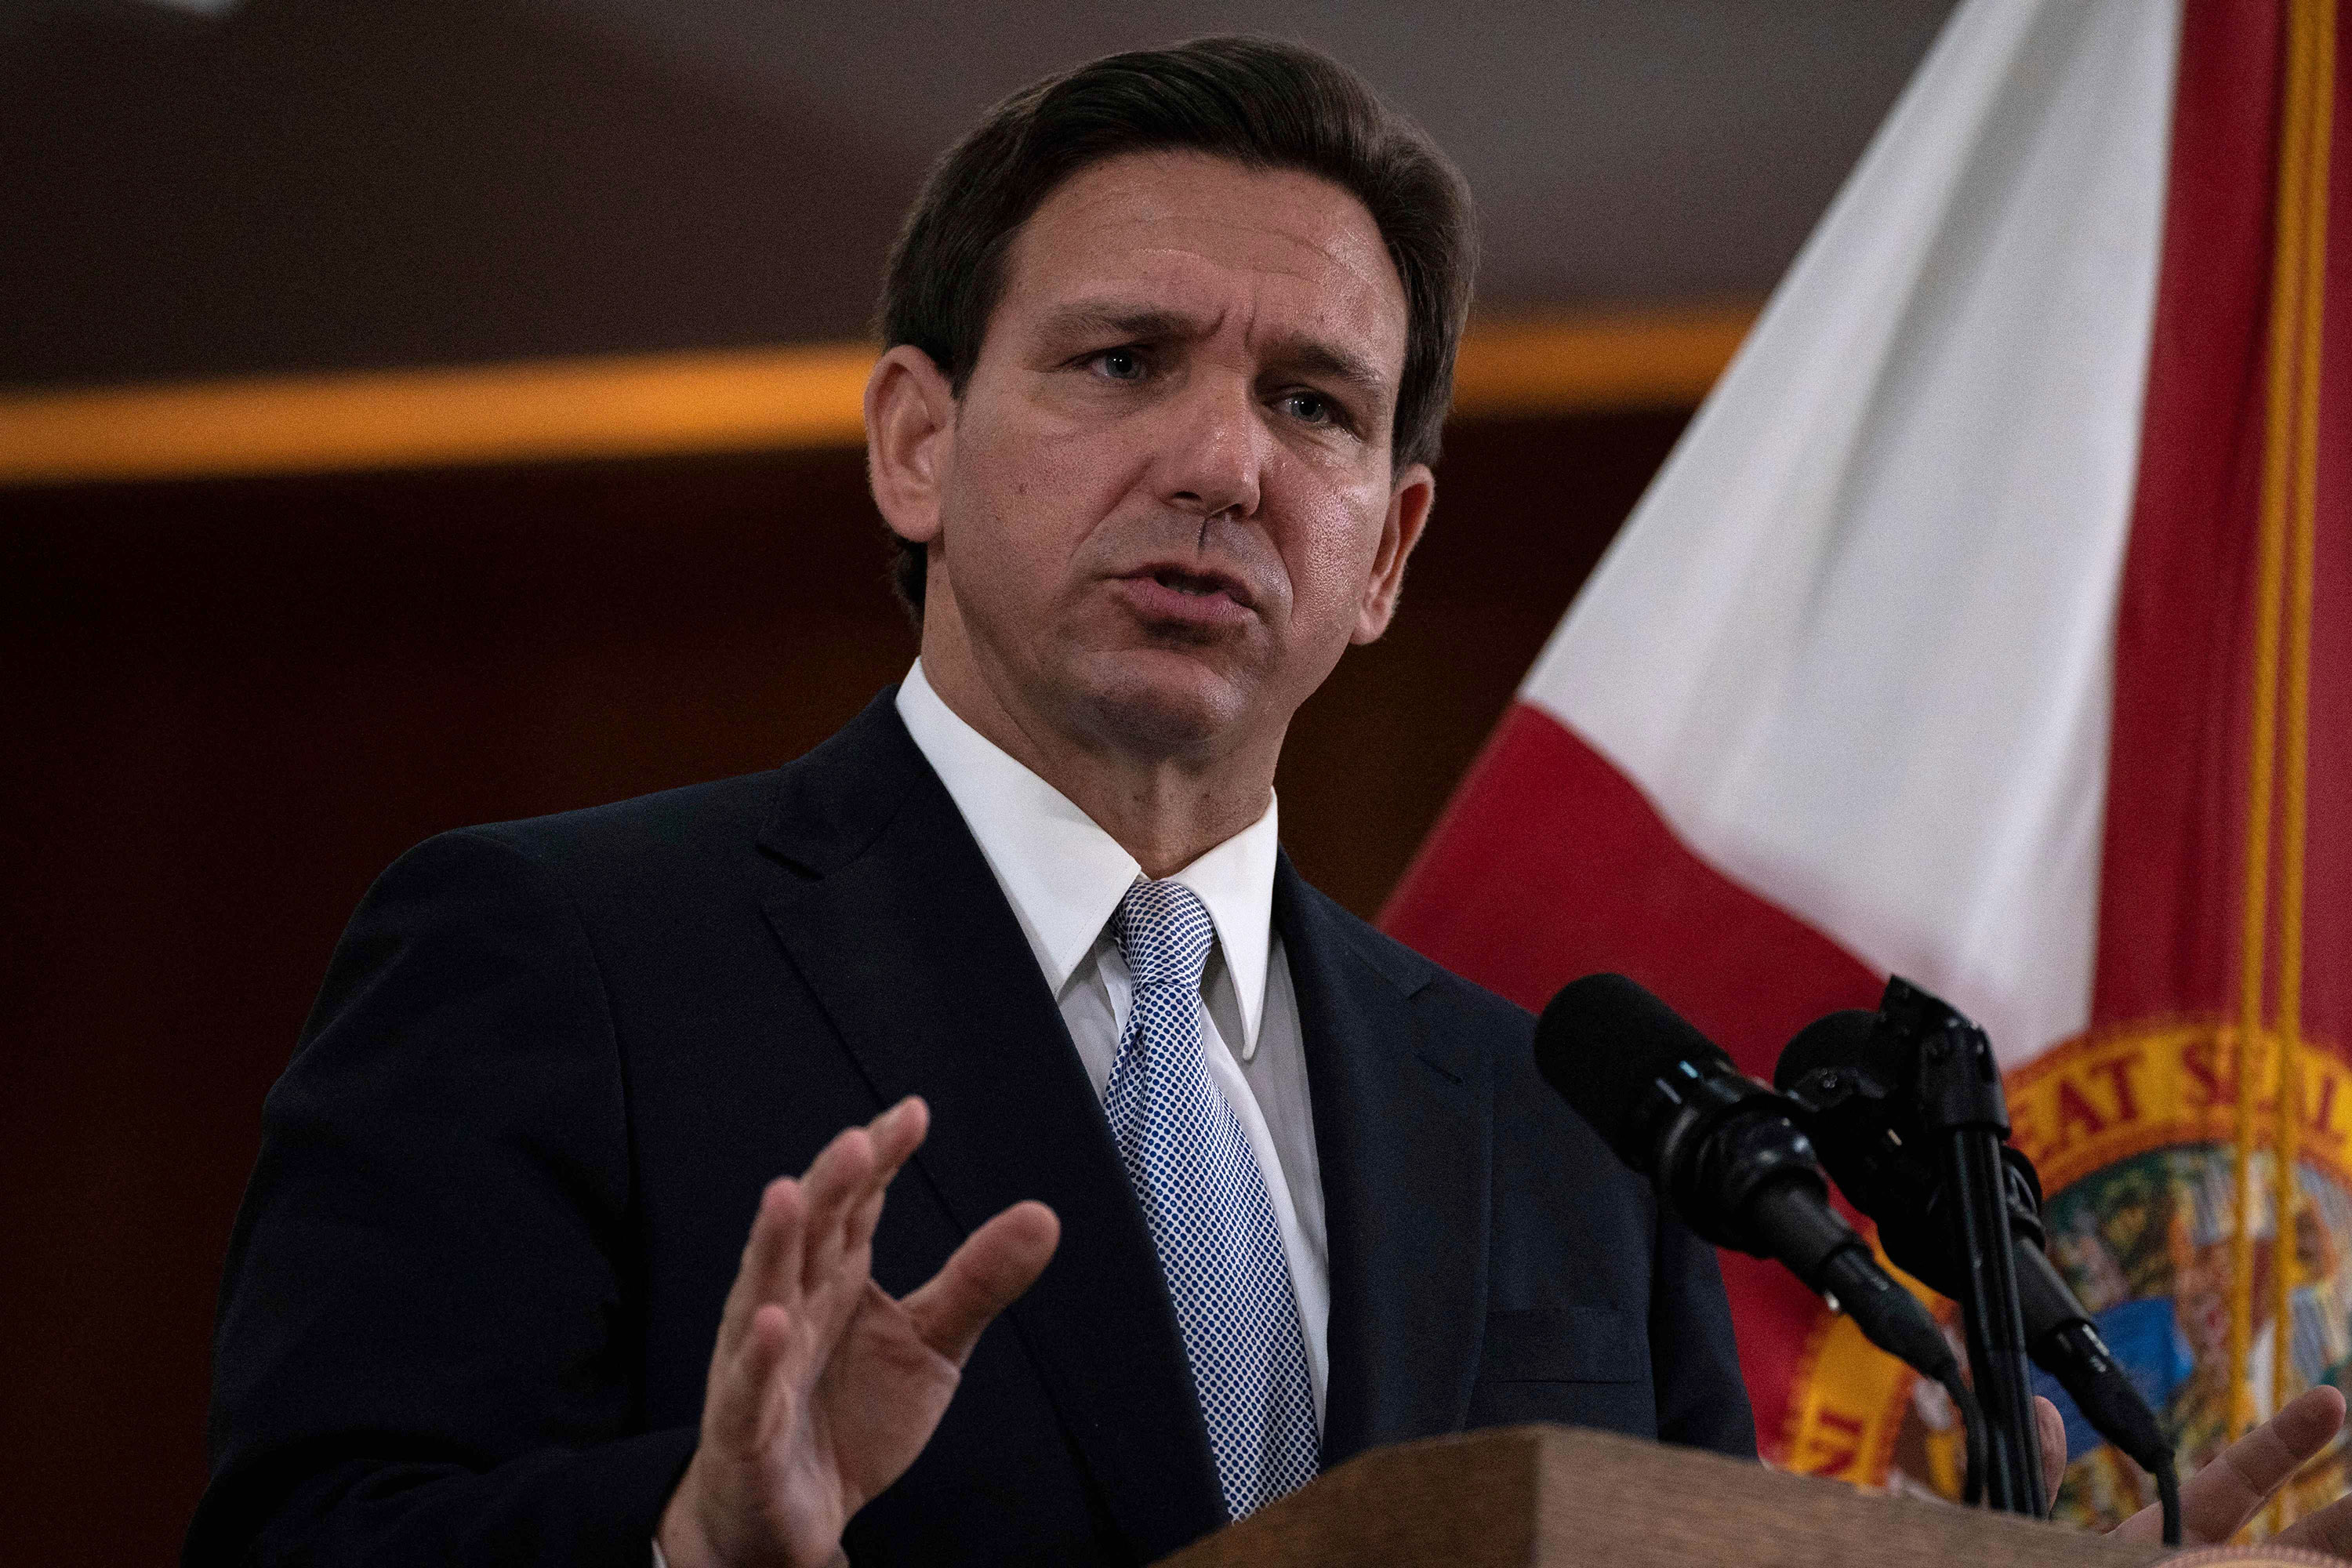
<point x="1064" y="876"/>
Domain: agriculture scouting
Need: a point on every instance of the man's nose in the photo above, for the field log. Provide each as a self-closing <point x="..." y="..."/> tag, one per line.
<point x="1216" y="450"/>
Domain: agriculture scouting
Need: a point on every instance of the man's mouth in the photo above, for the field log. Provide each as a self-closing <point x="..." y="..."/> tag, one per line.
<point x="1186" y="583"/>
<point x="1196" y="582"/>
<point x="1182" y="594"/>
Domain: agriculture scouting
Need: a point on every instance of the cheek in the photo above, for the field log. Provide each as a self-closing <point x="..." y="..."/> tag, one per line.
<point x="1031" y="504"/>
<point x="1330" y="561"/>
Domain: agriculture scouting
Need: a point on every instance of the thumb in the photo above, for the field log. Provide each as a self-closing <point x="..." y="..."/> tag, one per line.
<point x="2051" y="1427"/>
<point x="987" y="1274"/>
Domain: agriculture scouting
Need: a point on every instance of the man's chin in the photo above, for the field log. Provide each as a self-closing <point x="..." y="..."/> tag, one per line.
<point x="1155" y="704"/>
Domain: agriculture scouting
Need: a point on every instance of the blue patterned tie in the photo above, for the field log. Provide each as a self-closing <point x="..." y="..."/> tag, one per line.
<point x="1211" y="1222"/>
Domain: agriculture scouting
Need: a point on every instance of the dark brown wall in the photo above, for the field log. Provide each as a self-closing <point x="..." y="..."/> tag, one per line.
<point x="314" y="185"/>
<point x="228" y="705"/>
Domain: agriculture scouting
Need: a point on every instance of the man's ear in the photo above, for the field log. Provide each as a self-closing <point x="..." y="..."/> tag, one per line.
<point x="1409" y="503"/>
<point x="909" y="441"/>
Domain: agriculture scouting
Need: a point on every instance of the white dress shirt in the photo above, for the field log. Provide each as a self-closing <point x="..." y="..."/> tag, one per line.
<point x="1064" y="876"/>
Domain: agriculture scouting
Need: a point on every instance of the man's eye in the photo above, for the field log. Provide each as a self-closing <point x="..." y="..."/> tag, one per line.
<point x="1310" y="407"/>
<point x="1120" y="364"/>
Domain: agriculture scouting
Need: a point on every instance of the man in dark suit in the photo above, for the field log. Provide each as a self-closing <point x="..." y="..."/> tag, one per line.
<point x="1171" y="343"/>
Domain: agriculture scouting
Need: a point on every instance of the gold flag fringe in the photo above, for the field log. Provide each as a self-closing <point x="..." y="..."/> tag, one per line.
<point x="2283" y="612"/>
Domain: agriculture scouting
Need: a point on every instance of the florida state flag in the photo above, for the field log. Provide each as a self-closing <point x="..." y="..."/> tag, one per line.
<point x="1990" y="627"/>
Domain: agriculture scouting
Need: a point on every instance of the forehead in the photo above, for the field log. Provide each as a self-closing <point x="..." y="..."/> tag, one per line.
<point x="1289" y="251"/>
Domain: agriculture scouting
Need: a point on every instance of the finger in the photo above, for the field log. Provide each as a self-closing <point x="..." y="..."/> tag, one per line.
<point x="774" y="1232"/>
<point x="2329" y="1530"/>
<point x="986" y="1275"/>
<point x="741" y="1390"/>
<point x="2225" y="1494"/>
<point x="898" y="1132"/>
<point x="2052" y="1428"/>
<point x="857" y="1256"/>
<point x="846" y="1171"/>
<point x="835" y="1184"/>
<point x="837" y="1244"/>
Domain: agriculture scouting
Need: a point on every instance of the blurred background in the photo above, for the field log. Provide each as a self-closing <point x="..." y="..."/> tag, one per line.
<point x="439" y="411"/>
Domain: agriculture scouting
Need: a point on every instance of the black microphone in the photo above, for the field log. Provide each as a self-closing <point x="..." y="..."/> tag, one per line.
<point x="1851" y="1087"/>
<point x="1724" y="1153"/>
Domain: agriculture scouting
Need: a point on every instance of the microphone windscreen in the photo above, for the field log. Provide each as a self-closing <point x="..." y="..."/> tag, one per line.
<point x="1839" y="1041"/>
<point x="1603" y="1042"/>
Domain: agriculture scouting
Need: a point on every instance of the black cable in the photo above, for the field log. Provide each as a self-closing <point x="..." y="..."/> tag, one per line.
<point x="1973" y="1424"/>
<point x="2168" y="1496"/>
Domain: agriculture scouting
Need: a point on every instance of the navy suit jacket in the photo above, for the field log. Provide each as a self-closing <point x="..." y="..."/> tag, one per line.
<point x="504" y="1183"/>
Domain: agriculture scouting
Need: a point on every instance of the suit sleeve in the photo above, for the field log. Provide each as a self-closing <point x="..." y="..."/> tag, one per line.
<point x="427" y="1348"/>
<point x="1702" y="1400"/>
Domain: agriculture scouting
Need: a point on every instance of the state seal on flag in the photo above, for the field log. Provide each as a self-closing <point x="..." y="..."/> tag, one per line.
<point x="2132" y="1129"/>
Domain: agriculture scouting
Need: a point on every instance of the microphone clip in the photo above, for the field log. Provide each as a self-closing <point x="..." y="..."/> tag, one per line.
<point x="1930" y="1072"/>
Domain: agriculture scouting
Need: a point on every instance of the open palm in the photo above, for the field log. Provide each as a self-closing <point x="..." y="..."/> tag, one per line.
<point x="824" y="1388"/>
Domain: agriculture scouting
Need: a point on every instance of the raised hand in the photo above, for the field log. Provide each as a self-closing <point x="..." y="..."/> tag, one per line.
<point x="823" y="1389"/>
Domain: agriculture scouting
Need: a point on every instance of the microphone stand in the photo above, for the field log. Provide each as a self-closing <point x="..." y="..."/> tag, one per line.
<point x="1965" y="1117"/>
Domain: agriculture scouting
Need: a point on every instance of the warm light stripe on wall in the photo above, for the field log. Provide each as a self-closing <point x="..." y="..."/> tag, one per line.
<point x="1661" y="359"/>
<point x="737" y="400"/>
<point x="636" y="406"/>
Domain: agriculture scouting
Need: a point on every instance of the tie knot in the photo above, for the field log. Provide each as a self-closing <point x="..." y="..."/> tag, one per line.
<point x="1163" y="932"/>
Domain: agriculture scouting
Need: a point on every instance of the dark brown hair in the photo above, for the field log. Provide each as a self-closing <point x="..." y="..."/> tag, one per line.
<point x="1264" y="104"/>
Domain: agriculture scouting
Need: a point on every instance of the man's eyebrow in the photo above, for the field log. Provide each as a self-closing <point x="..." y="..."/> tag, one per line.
<point x="1301" y="355"/>
<point x="1310" y="356"/>
<point x="1140" y="325"/>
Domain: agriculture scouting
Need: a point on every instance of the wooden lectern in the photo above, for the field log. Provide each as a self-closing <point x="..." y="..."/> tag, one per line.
<point x="1531" y="1497"/>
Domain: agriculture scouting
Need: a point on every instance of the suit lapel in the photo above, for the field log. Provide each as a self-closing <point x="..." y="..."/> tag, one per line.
<point x="899" y="928"/>
<point x="1402" y="1131"/>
